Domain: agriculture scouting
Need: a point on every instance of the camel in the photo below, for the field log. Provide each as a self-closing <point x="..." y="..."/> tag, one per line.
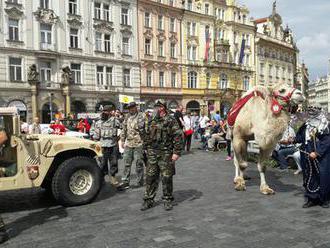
<point x="263" y="118"/>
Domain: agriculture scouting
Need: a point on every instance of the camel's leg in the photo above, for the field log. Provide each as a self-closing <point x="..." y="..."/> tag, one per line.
<point x="240" y="151"/>
<point x="264" y="188"/>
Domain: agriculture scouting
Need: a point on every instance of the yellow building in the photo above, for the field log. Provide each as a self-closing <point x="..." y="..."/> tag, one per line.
<point x="212" y="81"/>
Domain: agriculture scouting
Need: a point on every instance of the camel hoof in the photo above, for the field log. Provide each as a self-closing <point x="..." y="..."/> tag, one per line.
<point x="239" y="184"/>
<point x="266" y="190"/>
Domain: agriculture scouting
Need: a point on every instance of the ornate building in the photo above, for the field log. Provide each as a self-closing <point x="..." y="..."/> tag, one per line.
<point x="84" y="52"/>
<point x="159" y="28"/>
<point x="276" y="52"/>
<point x="319" y="92"/>
<point x="218" y="50"/>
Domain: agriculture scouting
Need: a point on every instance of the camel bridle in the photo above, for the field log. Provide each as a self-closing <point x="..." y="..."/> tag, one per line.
<point x="284" y="101"/>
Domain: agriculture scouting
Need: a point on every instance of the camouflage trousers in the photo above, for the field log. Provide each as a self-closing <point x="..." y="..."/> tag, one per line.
<point x="159" y="165"/>
<point x="130" y="154"/>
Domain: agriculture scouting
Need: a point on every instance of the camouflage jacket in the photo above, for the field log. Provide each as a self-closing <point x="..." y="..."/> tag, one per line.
<point x="164" y="134"/>
<point x="106" y="131"/>
<point x="133" y="130"/>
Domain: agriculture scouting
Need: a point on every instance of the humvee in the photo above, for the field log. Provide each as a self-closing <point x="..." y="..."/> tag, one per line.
<point x="65" y="166"/>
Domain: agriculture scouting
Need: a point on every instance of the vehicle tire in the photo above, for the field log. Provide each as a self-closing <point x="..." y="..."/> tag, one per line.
<point x="77" y="181"/>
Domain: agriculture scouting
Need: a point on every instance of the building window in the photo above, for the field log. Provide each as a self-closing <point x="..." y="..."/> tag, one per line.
<point x="207" y="9"/>
<point x="147" y="19"/>
<point x="98" y="41"/>
<point x="76" y="73"/>
<point x="208" y="80"/>
<point x="107" y="43"/>
<point x="172" y="50"/>
<point x="173" y="79"/>
<point x="191" y="28"/>
<point x="74" y="39"/>
<point x="44" y="4"/>
<point x="161" y="79"/>
<point x="73" y="7"/>
<point x="147" y="46"/>
<point x="15" y="69"/>
<point x="124" y="16"/>
<point x="223" y="81"/>
<point x="247" y="59"/>
<point x="125" y="45"/>
<point x="270" y="71"/>
<point x="106" y="12"/>
<point x="45" y="35"/>
<point x="218" y="56"/>
<point x="149" y="78"/>
<point x="97" y="11"/>
<point x="45" y="71"/>
<point x="13" y="29"/>
<point x="171" y="2"/>
<point x="190" y="5"/>
<point x="172" y="24"/>
<point x="99" y="75"/>
<point x="161" y="48"/>
<point x="246" y="83"/>
<point x="127" y="77"/>
<point x="192" y="80"/>
<point x="262" y="69"/>
<point x="160" y="22"/>
<point x="108" y="71"/>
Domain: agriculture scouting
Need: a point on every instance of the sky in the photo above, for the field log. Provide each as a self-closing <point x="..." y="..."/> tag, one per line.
<point x="310" y="23"/>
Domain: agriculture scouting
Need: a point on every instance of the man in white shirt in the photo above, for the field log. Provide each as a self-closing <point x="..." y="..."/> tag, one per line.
<point x="203" y="120"/>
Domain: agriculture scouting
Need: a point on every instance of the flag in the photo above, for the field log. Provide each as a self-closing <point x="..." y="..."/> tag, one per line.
<point x="241" y="56"/>
<point x="207" y="43"/>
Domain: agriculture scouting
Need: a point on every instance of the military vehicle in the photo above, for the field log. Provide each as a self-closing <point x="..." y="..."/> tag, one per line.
<point x="65" y="166"/>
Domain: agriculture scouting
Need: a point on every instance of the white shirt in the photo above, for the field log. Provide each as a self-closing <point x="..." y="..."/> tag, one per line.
<point x="289" y="133"/>
<point x="188" y="122"/>
<point x="203" y="121"/>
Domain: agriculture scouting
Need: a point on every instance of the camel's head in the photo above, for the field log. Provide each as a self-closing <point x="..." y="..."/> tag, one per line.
<point x="288" y="94"/>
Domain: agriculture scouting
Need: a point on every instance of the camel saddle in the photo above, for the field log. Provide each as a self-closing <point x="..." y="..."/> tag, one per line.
<point x="234" y="111"/>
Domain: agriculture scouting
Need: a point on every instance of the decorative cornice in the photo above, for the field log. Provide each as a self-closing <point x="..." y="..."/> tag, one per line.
<point x="75" y="22"/>
<point x="103" y="26"/>
<point x="46" y="16"/>
<point x="126" y="30"/>
<point x="14" y="12"/>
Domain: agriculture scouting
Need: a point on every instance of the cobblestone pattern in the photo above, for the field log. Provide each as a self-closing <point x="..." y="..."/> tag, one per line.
<point x="208" y="213"/>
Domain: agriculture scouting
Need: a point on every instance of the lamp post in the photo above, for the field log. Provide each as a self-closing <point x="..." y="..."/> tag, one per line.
<point x="51" y="106"/>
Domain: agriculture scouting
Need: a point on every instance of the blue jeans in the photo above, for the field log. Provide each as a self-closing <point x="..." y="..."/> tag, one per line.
<point x="282" y="154"/>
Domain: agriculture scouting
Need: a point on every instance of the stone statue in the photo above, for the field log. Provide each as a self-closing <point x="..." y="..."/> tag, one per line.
<point x="66" y="75"/>
<point x="32" y="73"/>
<point x="266" y="29"/>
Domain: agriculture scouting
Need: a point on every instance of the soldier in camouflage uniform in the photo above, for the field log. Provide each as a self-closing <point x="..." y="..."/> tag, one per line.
<point x="132" y="141"/>
<point x="3" y="234"/>
<point x="164" y="143"/>
<point x="106" y="131"/>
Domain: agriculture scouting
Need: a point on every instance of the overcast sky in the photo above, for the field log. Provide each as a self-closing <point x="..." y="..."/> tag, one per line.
<point x="310" y="22"/>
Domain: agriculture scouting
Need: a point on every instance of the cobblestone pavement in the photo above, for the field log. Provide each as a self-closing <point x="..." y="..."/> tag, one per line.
<point x="208" y="213"/>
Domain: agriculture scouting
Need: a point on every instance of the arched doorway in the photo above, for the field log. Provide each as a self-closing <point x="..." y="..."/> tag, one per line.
<point x="48" y="114"/>
<point x="193" y="106"/>
<point x="100" y="105"/>
<point x="22" y="109"/>
<point x="224" y="108"/>
<point x="78" y="107"/>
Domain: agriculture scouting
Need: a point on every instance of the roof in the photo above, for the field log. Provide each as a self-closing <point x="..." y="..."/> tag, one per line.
<point x="261" y="20"/>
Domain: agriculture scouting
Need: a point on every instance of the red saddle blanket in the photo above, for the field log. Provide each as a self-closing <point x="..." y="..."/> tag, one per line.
<point x="234" y="111"/>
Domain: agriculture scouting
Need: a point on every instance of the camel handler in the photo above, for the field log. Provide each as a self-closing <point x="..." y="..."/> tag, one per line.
<point x="164" y="144"/>
<point x="131" y="141"/>
<point x="106" y="131"/>
<point x="3" y="234"/>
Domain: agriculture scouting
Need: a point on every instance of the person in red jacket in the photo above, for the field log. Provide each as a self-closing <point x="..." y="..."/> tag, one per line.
<point x="58" y="128"/>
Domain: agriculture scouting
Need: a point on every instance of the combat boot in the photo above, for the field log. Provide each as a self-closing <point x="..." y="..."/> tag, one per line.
<point x="147" y="204"/>
<point x="114" y="181"/>
<point x="168" y="205"/>
<point x="123" y="186"/>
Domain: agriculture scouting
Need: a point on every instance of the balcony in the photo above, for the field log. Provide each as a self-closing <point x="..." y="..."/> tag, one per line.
<point x="46" y="46"/>
<point x="222" y="42"/>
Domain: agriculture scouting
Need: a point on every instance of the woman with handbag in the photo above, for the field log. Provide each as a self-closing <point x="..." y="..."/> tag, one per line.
<point x="188" y="130"/>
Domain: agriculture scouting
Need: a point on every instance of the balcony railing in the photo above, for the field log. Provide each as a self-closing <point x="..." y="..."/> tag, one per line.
<point x="46" y="46"/>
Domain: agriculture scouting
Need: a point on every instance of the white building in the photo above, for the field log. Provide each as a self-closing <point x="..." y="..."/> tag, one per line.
<point x="97" y="39"/>
<point x="319" y="92"/>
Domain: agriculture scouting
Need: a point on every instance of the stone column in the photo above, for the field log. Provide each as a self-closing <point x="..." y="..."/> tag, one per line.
<point x="66" y="94"/>
<point x="34" y="101"/>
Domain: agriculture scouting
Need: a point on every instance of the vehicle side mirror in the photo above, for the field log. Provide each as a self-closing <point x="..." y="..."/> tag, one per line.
<point x="16" y="126"/>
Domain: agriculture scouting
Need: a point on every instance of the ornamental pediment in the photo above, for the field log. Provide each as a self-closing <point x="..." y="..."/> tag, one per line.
<point x="219" y="23"/>
<point x="75" y="22"/>
<point x="161" y="36"/>
<point x="46" y="16"/>
<point x="104" y="27"/>
<point x="148" y="34"/>
<point x="173" y="38"/>
<point x="14" y="12"/>
<point x="126" y="30"/>
<point x="193" y="40"/>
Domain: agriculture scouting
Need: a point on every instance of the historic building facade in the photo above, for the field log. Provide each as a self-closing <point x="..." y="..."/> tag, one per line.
<point x="276" y="52"/>
<point x="319" y="92"/>
<point x="159" y="28"/>
<point x="218" y="50"/>
<point x="85" y="54"/>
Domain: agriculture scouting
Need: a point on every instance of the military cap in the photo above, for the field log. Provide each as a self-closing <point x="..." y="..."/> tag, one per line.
<point x="131" y="105"/>
<point x="160" y="102"/>
<point x="107" y="108"/>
